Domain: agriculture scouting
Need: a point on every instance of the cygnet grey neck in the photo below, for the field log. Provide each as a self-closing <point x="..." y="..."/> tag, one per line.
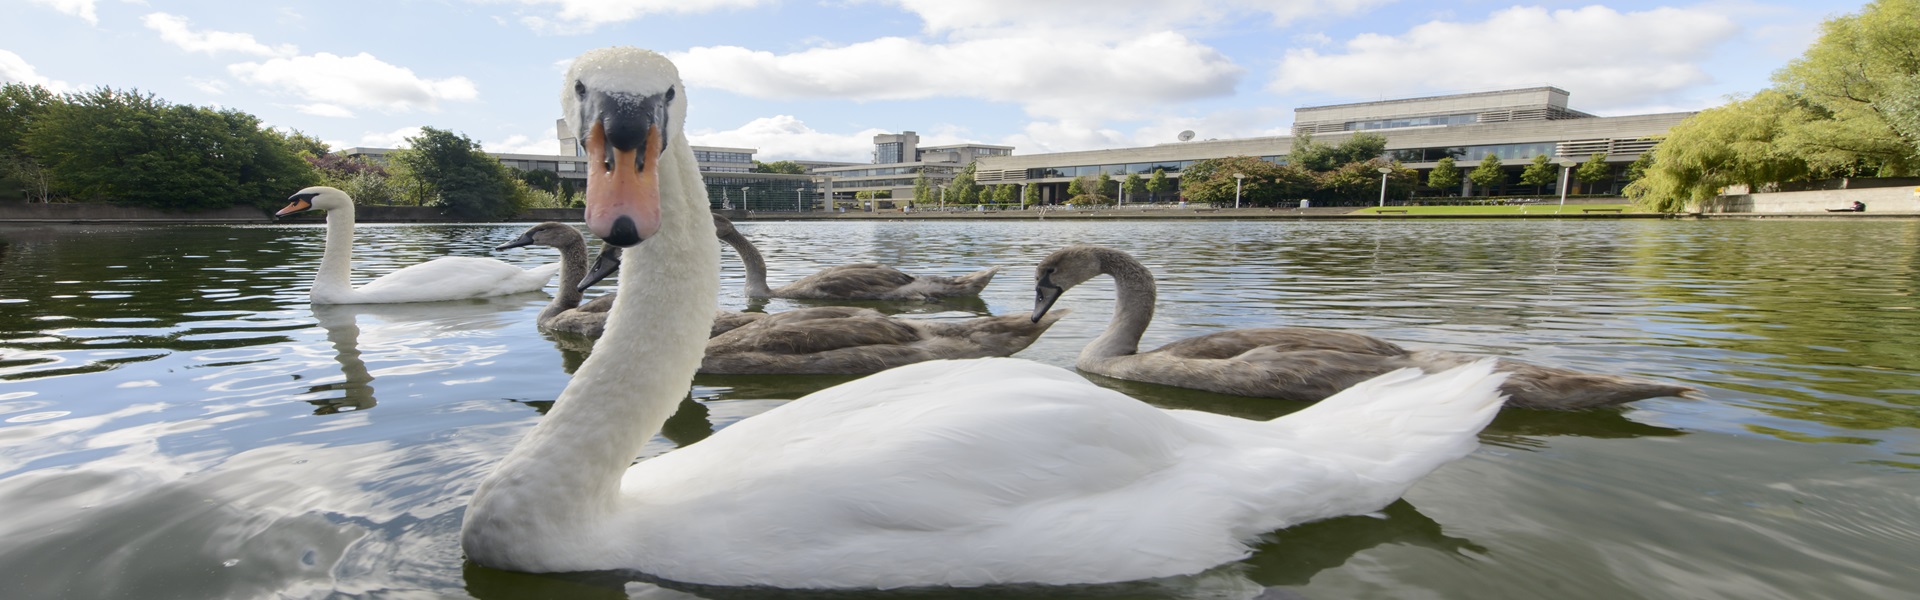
<point x="573" y="268"/>
<point x="756" y="266"/>
<point x="1134" y="297"/>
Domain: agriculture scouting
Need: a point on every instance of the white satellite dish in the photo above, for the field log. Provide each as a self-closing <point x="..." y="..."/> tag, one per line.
<point x="1186" y="135"/>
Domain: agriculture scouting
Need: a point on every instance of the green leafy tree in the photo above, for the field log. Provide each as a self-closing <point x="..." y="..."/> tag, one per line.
<point x="1540" y="172"/>
<point x="1739" y="143"/>
<point x="963" y="190"/>
<point x="1075" y="189"/>
<point x="1103" y="185"/>
<point x="1594" y="171"/>
<point x="1005" y="194"/>
<point x="1158" y="184"/>
<point x="1360" y="182"/>
<point x="1638" y="168"/>
<point x="540" y="179"/>
<point x="128" y="147"/>
<point x="1032" y="196"/>
<point x="1266" y="184"/>
<point x="922" y="189"/>
<point x="1861" y="71"/>
<point x="19" y="104"/>
<point x="1489" y="173"/>
<point x="467" y="182"/>
<point x="785" y="167"/>
<point x="1314" y="156"/>
<point x="1134" y="186"/>
<point x="1444" y="176"/>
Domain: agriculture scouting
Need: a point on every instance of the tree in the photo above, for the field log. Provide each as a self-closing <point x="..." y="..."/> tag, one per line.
<point x="1638" y="168"/>
<point x="468" y="183"/>
<point x="963" y="189"/>
<point x="1359" y="182"/>
<point x="1739" y="143"/>
<point x="1489" y="173"/>
<point x="922" y="189"/>
<point x="1075" y="189"/>
<point x="1103" y="185"/>
<point x="785" y="167"/>
<point x="1134" y="186"/>
<point x="1595" y="170"/>
<point x="19" y="104"/>
<point x="1858" y="75"/>
<point x="130" y="147"/>
<point x="1266" y="184"/>
<point x="1314" y="156"/>
<point x="1540" y="172"/>
<point x="1032" y="196"/>
<point x="1158" y="184"/>
<point x="540" y="179"/>
<point x="1444" y="176"/>
<point x="1005" y="194"/>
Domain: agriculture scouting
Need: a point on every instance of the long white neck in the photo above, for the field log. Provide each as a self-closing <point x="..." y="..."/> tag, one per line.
<point x="563" y="480"/>
<point x="1134" y="296"/>
<point x="336" y="257"/>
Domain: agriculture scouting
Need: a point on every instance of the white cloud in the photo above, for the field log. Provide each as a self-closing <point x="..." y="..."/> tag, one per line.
<point x="540" y="143"/>
<point x="1607" y="58"/>
<point x="211" y="86"/>
<point x="785" y="137"/>
<point x="354" y="81"/>
<point x="78" y="8"/>
<point x="15" y="69"/>
<point x="1076" y="77"/>
<point x="581" y="16"/>
<point x="1111" y="19"/>
<point x="389" y="139"/>
<point x="322" y="109"/>
<point x="174" y="30"/>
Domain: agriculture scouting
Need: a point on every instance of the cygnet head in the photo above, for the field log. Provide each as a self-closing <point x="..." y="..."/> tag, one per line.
<point x="723" y="227"/>
<point x="1060" y="271"/>
<point x="317" y="197"/>
<point x="620" y="103"/>
<point x="554" y="235"/>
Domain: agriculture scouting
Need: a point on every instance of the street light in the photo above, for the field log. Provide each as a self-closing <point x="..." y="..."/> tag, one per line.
<point x="743" y="198"/>
<point x="796" y="200"/>
<point x="1566" y="173"/>
<point x="1383" y="185"/>
<point x="1237" y="180"/>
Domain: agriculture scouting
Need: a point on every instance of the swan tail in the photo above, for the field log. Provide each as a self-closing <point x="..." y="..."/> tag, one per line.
<point x="972" y="283"/>
<point x="544" y="272"/>
<point x="1534" y="386"/>
<point x="1396" y="428"/>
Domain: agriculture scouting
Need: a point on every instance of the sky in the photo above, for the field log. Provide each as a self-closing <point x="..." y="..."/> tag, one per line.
<point x="799" y="79"/>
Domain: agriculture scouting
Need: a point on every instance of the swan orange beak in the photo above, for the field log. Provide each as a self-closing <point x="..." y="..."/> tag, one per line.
<point x="299" y="203"/>
<point x="624" y="142"/>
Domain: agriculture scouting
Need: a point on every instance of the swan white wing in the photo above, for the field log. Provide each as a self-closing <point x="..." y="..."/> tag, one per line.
<point x="946" y="472"/>
<point x="454" y="278"/>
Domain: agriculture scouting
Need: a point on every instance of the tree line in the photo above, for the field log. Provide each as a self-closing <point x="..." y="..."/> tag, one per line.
<point x="133" y="148"/>
<point x="1849" y="106"/>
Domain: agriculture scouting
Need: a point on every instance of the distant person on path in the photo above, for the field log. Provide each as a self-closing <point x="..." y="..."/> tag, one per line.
<point x="1859" y="206"/>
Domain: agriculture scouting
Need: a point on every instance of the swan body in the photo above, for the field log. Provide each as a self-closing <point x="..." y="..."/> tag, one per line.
<point x="940" y="473"/>
<point x="1289" y="362"/>
<point x="849" y="340"/>
<point x="860" y="281"/>
<point x="445" y="278"/>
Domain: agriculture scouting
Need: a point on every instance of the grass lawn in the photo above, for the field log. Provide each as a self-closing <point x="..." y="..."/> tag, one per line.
<point x="1526" y="209"/>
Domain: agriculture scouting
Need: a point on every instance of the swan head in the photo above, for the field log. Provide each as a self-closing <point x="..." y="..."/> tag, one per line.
<point x="317" y="197"/>
<point x="620" y="103"/>
<point x="553" y="235"/>
<point x="1059" y="272"/>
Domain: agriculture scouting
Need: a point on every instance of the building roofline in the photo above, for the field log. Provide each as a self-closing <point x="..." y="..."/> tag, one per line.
<point x="1548" y="88"/>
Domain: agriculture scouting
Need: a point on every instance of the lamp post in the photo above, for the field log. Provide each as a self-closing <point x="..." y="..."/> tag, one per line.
<point x="1566" y="173"/>
<point x="1384" y="171"/>
<point x="743" y="198"/>
<point x="1238" y="179"/>
<point x="797" y="207"/>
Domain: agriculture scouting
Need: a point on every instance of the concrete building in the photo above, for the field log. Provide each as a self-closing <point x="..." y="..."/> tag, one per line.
<point x="899" y="160"/>
<point x="1515" y="125"/>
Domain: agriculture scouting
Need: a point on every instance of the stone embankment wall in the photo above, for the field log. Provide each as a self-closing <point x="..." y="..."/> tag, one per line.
<point x="1878" y="200"/>
<point x="107" y="213"/>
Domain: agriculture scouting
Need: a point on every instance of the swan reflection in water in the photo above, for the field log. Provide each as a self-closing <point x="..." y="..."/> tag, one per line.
<point x="412" y="337"/>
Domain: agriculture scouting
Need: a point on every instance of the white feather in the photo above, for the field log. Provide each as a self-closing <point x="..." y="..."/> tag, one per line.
<point x="445" y="278"/>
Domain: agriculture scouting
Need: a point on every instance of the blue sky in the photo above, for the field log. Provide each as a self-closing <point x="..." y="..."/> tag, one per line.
<point x="816" y="79"/>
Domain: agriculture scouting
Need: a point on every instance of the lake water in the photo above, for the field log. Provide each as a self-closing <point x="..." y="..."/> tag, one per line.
<point x="177" y="422"/>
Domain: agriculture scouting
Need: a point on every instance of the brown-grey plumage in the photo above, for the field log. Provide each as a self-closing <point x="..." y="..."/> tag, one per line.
<point x="565" y="313"/>
<point x="1288" y="362"/>
<point x="862" y="281"/>
<point x="849" y="340"/>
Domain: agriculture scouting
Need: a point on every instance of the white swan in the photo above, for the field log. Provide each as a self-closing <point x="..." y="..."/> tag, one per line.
<point x="958" y="473"/>
<point x="444" y="278"/>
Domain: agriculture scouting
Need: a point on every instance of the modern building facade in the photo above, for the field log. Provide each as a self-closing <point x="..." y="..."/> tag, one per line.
<point x="898" y="161"/>
<point x="1515" y="125"/>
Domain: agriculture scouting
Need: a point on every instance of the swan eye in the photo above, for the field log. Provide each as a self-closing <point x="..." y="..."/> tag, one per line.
<point x="580" y="88"/>
<point x="669" y="94"/>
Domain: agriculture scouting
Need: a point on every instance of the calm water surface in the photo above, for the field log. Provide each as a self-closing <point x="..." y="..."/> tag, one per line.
<point x="177" y="422"/>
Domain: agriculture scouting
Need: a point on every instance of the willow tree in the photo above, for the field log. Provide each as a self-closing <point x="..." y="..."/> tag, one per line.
<point x="1860" y="79"/>
<point x="1736" y="144"/>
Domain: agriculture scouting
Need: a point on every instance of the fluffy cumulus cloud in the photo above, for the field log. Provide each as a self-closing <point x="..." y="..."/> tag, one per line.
<point x="581" y="16"/>
<point x="1608" y="58"/>
<point x="784" y="137"/>
<point x="383" y="139"/>
<point x="540" y="143"/>
<point x="78" y="8"/>
<point x="335" y="84"/>
<point x="1077" y="77"/>
<point x="14" y="69"/>
<point x="174" y="30"/>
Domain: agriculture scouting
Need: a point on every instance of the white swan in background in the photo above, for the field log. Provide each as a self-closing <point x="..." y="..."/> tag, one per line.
<point x="444" y="278"/>
<point x="958" y="473"/>
<point x="1293" y="363"/>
